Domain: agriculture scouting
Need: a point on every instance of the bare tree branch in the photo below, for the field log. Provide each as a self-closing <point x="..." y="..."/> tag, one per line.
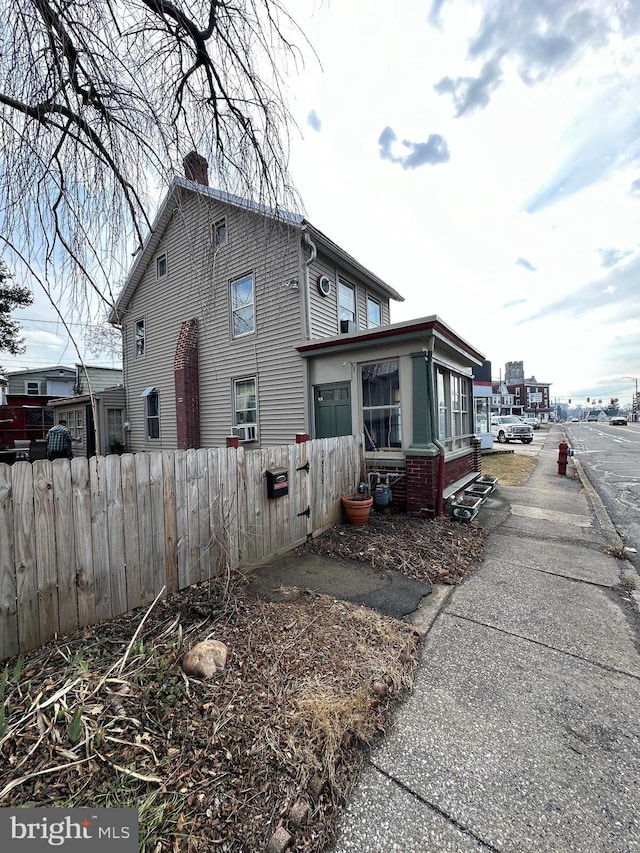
<point x="99" y="103"/>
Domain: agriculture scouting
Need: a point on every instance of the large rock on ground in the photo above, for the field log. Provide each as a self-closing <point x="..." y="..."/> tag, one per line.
<point x="205" y="658"/>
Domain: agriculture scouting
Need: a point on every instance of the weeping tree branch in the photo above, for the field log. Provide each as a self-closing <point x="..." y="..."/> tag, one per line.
<point x="101" y="101"/>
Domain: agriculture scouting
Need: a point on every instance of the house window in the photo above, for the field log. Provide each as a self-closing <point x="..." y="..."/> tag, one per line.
<point x="161" y="266"/>
<point x="443" y="408"/>
<point x="381" y="414"/>
<point x="77" y="423"/>
<point x="243" y="321"/>
<point x="152" y="413"/>
<point x="219" y="233"/>
<point x="454" y="421"/>
<point x="460" y="424"/>
<point x="245" y="401"/>
<point x="374" y="312"/>
<point x="346" y="301"/>
<point x="139" y="338"/>
<point x="32" y="387"/>
<point x="114" y="429"/>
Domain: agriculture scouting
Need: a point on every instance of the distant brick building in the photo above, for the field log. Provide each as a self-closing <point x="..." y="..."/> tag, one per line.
<point x="518" y="395"/>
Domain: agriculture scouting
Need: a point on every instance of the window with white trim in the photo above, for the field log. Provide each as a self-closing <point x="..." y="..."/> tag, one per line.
<point x="161" y="266"/>
<point x="454" y="417"/>
<point x="346" y="301"/>
<point x="374" y="312"/>
<point x="219" y="231"/>
<point x="139" y="338"/>
<point x="32" y="387"/>
<point x="115" y="431"/>
<point x="152" y="412"/>
<point x="77" y="423"/>
<point x="245" y="401"/>
<point x="381" y="412"/>
<point x="243" y="317"/>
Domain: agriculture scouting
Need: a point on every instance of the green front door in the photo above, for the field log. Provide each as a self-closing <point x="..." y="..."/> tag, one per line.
<point x="332" y="406"/>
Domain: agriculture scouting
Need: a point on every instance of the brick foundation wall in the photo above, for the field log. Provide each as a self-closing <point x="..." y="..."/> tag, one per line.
<point x="422" y="484"/>
<point x="457" y="468"/>
<point x="422" y="480"/>
<point x="185" y="367"/>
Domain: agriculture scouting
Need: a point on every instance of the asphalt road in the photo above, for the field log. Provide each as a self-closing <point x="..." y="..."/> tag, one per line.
<point x="609" y="456"/>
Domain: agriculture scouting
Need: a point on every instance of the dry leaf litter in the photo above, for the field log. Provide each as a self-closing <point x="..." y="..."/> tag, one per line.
<point x="261" y="756"/>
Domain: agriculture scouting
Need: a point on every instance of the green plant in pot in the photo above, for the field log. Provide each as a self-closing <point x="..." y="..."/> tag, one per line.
<point x="115" y="445"/>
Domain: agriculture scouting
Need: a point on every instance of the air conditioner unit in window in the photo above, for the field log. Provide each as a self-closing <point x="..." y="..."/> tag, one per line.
<point x="246" y="432"/>
<point x="348" y="326"/>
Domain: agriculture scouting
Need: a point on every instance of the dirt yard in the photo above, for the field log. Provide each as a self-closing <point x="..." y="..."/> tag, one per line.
<point x="261" y="756"/>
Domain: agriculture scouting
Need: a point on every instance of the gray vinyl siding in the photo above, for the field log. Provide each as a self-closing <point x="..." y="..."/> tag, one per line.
<point x="324" y="309"/>
<point x="99" y="378"/>
<point x="17" y="380"/>
<point x="197" y="286"/>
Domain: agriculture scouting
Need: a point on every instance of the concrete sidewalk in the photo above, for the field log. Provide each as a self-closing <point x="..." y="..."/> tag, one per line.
<point x="522" y="732"/>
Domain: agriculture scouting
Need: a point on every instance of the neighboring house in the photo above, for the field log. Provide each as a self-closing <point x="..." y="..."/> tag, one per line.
<point x="597" y="415"/>
<point x="240" y="321"/>
<point x="41" y="383"/>
<point x="28" y="414"/>
<point x="92" y="380"/>
<point x="96" y="420"/>
<point x="517" y="395"/>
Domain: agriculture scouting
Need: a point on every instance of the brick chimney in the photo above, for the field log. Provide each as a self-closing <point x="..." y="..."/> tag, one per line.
<point x="196" y="168"/>
<point x="185" y="368"/>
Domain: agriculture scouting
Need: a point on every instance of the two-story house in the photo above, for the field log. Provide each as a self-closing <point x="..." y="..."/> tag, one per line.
<point x="238" y="320"/>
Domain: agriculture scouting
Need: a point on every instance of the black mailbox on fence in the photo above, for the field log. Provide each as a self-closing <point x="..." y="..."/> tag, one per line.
<point x="277" y="483"/>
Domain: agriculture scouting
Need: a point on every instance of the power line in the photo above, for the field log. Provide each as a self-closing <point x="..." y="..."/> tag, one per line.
<point x="59" y="322"/>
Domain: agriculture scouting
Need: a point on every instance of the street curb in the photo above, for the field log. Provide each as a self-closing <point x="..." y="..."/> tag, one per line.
<point x="610" y="533"/>
<point x="608" y="528"/>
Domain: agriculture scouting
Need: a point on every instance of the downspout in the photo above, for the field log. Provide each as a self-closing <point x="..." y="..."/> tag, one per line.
<point x="306" y="263"/>
<point x="313" y="254"/>
<point x="434" y="438"/>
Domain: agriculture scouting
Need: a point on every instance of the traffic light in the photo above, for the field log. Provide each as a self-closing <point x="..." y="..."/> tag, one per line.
<point x="588" y="399"/>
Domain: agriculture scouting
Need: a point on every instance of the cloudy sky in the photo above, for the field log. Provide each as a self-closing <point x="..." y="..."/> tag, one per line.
<point x="484" y="159"/>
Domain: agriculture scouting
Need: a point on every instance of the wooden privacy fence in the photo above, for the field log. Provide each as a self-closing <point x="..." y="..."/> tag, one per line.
<point x="84" y="540"/>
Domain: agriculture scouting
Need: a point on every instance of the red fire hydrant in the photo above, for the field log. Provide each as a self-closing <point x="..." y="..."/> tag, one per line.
<point x="563" y="455"/>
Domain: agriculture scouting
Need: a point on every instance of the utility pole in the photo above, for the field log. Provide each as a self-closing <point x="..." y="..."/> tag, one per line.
<point x="636" y="402"/>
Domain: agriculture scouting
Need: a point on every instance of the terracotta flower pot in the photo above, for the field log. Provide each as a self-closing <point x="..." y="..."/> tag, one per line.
<point x="357" y="508"/>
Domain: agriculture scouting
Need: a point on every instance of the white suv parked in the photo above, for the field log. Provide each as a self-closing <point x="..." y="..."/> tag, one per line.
<point x="510" y="428"/>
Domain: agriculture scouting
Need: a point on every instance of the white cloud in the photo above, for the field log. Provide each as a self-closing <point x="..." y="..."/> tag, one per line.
<point x="507" y="196"/>
<point x="533" y="215"/>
